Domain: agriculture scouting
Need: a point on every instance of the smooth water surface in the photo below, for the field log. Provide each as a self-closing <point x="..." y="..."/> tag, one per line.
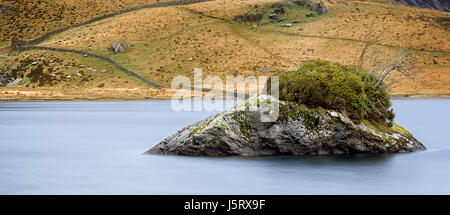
<point x="97" y="148"/>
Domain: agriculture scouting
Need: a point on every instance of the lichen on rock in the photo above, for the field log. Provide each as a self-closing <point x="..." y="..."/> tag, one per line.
<point x="296" y="130"/>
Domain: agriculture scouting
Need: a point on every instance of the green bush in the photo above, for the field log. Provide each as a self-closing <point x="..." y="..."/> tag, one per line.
<point x="334" y="86"/>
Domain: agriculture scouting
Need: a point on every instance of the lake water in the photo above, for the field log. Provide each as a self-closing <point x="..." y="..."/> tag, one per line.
<point x="97" y="148"/>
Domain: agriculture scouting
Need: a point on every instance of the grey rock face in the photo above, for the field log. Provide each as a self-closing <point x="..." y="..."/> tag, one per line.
<point x="119" y="47"/>
<point x="298" y="130"/>
<point x="13" y="83"/>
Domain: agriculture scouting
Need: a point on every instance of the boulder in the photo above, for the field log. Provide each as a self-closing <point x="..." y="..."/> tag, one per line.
<point x="273" y="16"/>
<point x="14" y="82"/>
<point x="257" y="127"/>
<point x="119" y="47"/>
<point x="286" y="25"/>
<point x="263" y="70"/>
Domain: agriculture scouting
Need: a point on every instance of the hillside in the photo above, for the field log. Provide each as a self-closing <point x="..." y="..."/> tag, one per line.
<point x="170" y="41"/>
<point x="27" y="20"/>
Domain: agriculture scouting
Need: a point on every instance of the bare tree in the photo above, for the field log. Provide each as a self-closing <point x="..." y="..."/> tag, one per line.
<point x="400" y="62"/>
<point x="381" y="64"/>
<point x="370" y="39"/>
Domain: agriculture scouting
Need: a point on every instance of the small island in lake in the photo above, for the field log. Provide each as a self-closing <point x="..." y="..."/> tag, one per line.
<point x="324" y="108"/>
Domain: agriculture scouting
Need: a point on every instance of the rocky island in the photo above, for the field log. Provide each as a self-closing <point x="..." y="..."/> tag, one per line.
<point x="324" y="108"/>
<point x="299" y="130"/>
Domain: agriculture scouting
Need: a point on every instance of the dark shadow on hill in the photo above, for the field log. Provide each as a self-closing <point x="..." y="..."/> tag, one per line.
<point x="442" y="5"/>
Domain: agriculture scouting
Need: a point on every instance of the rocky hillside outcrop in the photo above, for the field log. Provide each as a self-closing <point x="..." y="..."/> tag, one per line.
<point x="247" y="130"/>
<point x="280" y="8"/>
<point x="4" y="79"/>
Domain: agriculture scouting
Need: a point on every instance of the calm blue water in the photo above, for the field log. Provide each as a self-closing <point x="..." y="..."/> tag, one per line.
<point x="96" y="148"/>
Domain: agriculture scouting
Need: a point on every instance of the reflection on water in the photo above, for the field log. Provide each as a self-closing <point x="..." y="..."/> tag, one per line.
<point x="96" y="148"/>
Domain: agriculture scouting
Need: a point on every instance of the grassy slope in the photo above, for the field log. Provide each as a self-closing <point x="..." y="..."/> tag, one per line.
<point x="33" y="18"/>
<point x="164" y="39"/>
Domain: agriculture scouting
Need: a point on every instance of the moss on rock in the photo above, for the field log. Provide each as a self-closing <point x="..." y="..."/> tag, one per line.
<point x="330" y="85"/>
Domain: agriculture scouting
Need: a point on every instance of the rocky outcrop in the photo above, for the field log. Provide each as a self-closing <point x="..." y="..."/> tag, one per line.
<point x="251" y="17"/>
<point x="5" y="10"/>
<point x="252" y="128"/>
<point x="280" y="8"/>
<point x="317" y="7"/>
<point x="5" y="79"/>
<point x="119" y="47"/>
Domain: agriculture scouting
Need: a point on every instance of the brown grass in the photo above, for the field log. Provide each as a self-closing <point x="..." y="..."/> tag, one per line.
<point x="164" y="39"/>
<point x="43" y="16"/>
<point x="43" y="93"/>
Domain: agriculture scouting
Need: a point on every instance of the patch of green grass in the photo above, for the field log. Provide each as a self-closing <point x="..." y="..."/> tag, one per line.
<point x="24" y="82"/>
<point x="380" y="128"/>
<point x="401" y="130"/>
<point x="101" y="64"/>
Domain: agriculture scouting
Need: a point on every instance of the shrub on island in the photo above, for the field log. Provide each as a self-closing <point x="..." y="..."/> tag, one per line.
<point x="330" y="85"/>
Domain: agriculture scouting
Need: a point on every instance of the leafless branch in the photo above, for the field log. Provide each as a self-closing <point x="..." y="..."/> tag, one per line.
<point x="380" y="64"/>
<point x="371" y="38"/>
